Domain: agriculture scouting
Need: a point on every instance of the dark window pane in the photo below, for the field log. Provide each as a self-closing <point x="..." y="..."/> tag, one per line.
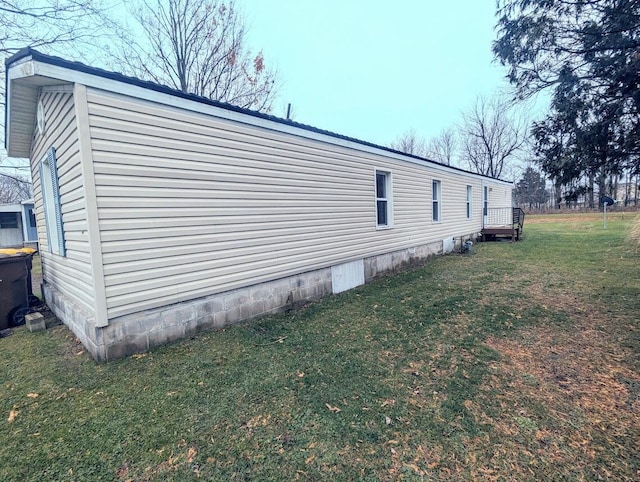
<point x="436" y="214"/>
<point x="381" y="181"/>
<point x="8" y="220"/>
<point x="382" y="212"/>
<point x="32" y="218"/>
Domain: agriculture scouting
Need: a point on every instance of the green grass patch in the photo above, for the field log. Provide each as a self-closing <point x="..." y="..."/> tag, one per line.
<point x="470" y="367"/>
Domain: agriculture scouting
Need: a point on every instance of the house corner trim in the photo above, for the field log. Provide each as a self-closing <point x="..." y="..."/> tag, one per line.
<point x="86" y="160"/>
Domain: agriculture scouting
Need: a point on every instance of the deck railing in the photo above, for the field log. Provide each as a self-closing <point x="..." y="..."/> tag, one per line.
<point x="503" y="222"/>
<point x="518" y="218"/>
<point x="499" y="217"/>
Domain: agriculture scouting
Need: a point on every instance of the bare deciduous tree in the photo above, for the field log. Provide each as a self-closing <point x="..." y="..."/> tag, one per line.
<point x="14" y="189"/>
<point x="198" y="47"/>
<point x="491" y="136"/>
<point x="410" y="143"/>
<point x="40" y="23"/>
<point x="51" y="26"/>
<point x="442" y="148"/>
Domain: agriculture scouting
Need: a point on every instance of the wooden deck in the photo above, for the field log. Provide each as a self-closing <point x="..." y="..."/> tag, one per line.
<point x="503" y="222"/>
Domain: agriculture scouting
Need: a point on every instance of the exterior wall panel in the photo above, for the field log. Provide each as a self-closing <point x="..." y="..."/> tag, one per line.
<point x="190" y="205"/>
<point x="70" y="274"/>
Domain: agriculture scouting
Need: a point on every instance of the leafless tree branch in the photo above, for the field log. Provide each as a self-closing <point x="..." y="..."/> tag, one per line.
<point x="410" y="143"/>
<point x="198" y="47"/>
<point x="53" y="26"/>
<point x="443" y="147"/>
<point x="491" y="136"/>
<point x="14" y="189"/>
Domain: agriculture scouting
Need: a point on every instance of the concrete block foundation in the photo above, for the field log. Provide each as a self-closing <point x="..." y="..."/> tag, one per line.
<point x="138" y="332"/>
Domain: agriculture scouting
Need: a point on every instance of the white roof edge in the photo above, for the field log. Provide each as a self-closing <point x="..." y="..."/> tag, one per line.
<point x="28" y="67"/>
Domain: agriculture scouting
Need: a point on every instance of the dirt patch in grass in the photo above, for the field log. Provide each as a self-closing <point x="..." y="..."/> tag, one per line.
<point x="580" y="218"/>
<point x="568" y="218"/>
<point x="581" y="399"/>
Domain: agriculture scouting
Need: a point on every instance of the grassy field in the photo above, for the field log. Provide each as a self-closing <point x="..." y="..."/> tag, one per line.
<point x="518" y="362"/>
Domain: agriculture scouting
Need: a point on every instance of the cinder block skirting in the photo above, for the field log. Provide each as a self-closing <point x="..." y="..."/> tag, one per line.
<point x="141" y="331"/>
<point x="397" y="260"/>
<point x="81" y="323"/>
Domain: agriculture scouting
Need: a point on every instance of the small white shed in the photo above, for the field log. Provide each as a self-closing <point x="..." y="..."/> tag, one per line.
<point x="161" y="214"/>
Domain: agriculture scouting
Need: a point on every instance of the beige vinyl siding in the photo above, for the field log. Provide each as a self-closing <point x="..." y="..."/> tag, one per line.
<point x="70" y="274"/>
<point x="499" y="196"/>
<point x="454" y="204"/>
<point x="191" y="205"/>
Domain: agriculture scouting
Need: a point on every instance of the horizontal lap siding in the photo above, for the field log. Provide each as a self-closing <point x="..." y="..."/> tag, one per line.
<point x="190" y="205"/>
<point x="70" y="274"/>
<point x="500" y="196"/>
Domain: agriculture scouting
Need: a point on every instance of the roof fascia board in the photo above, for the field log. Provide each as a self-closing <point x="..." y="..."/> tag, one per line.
<point x="66" y="74"/>
<point x="15" y="65"/>
<point x="21" y="68"/>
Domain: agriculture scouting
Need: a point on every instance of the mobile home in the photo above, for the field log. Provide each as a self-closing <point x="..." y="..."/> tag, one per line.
<point x="161" y="213"/>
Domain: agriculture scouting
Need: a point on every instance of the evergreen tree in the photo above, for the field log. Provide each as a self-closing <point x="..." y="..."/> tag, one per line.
<point x="531" y="189"/>
<point x="586" y="52"/>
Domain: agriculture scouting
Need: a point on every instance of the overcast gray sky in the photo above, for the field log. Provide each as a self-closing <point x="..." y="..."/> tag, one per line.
<point x="373" y="69"/>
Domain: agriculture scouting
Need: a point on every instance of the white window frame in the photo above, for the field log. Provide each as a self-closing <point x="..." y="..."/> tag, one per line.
<point x="387" y="198"/>
<point x="436" y="200"/>
<point x="51" y="203"/>
<point x="469" y="203"/>
<point x="485" y="204"/>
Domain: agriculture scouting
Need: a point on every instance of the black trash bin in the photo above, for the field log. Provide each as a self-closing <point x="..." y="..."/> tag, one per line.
<point x="15" y="277"/>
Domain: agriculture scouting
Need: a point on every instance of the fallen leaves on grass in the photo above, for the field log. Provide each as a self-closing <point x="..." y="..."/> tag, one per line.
<point x="191" y="453"/>
<point x="333" y="409"/>
<point x="581" y="379"/>
<point x="12" y="416"/>
<point x="123" y="471"/>
<point x="173" y="463"/>
<point x="279" y="340"/>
